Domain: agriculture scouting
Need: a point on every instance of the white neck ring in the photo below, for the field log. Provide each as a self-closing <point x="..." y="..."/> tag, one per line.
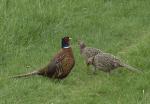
<point x="67" y="47"/>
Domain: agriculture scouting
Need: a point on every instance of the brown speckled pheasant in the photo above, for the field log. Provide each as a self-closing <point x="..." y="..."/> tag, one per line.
<point x="107" y="62"/>
<point x="87" y="52"/>
<point x="60" y="66"/>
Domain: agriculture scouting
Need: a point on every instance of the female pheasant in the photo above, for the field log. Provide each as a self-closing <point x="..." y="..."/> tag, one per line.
<point x="101" y="60"/>
<point x="107" y="62"/>
<point x="60" y="66"/>
<point x="87" y="52"/>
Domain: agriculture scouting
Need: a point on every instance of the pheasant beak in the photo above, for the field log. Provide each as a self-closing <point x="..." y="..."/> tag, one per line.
<point x="70" y="38"/>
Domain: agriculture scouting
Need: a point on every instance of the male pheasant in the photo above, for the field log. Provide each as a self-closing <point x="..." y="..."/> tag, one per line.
<point x="60" y="66"/>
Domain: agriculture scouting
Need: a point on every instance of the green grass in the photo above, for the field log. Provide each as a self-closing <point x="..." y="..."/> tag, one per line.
<point x="30" y="33"/>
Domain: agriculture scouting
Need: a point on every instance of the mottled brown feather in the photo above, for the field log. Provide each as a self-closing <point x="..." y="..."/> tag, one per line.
<point x="87" y="52"/>
<point x="107" y="62"/>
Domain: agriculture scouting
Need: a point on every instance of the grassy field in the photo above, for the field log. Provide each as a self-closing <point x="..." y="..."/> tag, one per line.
<point x="30" y="33"/>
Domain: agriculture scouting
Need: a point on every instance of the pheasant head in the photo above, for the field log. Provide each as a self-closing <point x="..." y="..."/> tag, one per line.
<point x="65" y="43"/>
<point x="81" y="45"/>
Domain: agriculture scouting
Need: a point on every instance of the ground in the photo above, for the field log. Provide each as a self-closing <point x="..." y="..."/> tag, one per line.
<point x="30" y="34"/>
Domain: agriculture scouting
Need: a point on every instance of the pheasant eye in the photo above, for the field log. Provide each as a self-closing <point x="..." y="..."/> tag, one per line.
<point x="66" y="39"/>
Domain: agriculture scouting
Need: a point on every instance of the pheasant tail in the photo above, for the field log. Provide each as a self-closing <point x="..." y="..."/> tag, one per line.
<point x="132" y="68"/>
<point x="25" y="75"/>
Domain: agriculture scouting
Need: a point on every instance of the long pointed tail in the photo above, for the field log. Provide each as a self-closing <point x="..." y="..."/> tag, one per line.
<point x="132" y="68"/>
<point x="25" y="75"/>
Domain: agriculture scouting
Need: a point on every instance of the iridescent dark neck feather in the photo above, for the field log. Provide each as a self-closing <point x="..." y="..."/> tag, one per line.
<point x="64" y="44"/>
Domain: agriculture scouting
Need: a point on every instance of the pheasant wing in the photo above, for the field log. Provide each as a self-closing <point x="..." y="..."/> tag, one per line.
<point x="53" y="68"/>
<point x="108" y="61"/>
